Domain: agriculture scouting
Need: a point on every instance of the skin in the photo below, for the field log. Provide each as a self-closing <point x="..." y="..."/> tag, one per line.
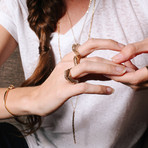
<point x="73" y="8"/>
<point x="127" y="53"/>
<point x="56" y="90"/>
<point x="29" y="100"/>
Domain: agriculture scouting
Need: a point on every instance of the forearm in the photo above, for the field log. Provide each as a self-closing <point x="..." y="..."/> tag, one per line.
<point x="20" y="101"/>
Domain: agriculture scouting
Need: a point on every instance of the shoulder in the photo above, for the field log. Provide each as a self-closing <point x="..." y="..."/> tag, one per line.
<point x="8" y="2"/>
<point x="13" y="4"/>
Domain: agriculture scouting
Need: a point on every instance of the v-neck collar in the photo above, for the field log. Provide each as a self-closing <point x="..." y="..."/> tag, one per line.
<point x="76" y="27"/>
<point x="67" y="39"/>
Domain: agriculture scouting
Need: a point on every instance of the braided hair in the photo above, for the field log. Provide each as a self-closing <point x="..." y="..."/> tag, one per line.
<point x="43" y="17"/>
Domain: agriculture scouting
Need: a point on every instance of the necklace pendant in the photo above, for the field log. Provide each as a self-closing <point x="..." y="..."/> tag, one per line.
<point x="73" y="127"/>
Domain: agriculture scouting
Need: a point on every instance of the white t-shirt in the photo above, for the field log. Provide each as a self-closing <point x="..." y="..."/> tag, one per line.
<point x="101" y="121"/>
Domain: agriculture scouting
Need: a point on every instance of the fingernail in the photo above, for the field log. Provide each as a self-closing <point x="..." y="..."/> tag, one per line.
<point x="120" y="69"/>
<point x="128" y="69"/>
<point x="121" y="45"/>
<point x="117" y="57"/>
<point x="110" y="90"/>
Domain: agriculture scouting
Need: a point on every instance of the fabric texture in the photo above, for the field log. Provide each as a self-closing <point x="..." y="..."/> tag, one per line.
<point x="115" y="121"/>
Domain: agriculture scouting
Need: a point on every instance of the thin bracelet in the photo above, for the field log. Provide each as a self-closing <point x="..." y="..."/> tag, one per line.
<point x="5" y="99"/>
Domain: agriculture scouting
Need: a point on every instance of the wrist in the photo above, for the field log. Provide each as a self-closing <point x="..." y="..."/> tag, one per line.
<point x="32" y="101"/>
<point x="21" y="101"/>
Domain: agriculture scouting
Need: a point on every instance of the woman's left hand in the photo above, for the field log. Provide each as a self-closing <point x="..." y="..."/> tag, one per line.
<point x="138" y="78"/>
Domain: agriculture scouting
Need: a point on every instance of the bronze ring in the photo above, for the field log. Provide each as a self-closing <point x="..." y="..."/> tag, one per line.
<point x="68" y="77"/>
<point x="75" y="49"/>
<point x="76" y="58"/>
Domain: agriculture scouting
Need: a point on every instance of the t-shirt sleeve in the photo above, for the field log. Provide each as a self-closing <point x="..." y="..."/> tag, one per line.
<point x="7" y="17"/>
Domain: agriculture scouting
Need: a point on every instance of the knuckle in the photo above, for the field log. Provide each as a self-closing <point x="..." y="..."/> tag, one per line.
<point x="131" y="49"/>
<point x="110" y="69"/>
<point x="83" y="88"/>
<point x="96" y="59"/>
<point x="134" y="81"/>
<point x="102" y="89"/>
<point x="84" y="65"/>
<point x="110" y="41"/>
<point x="99" y="88"/>
<point x="90" y="41"/>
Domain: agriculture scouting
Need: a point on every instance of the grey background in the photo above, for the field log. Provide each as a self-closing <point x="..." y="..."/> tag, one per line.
<point x="11" y="72"/>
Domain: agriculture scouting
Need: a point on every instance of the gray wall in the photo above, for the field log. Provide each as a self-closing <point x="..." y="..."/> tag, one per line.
<point x="11" y="71"/>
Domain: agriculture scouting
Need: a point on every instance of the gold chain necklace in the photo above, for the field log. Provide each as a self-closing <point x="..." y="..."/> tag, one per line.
<point x="76" y="42"/>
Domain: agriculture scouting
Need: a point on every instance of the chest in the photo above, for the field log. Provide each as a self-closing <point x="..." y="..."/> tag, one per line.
<point x="123" y="21"/>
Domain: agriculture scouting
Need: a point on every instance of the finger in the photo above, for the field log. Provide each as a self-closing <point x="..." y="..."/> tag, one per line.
<point x="96" y="44"/>
<point x="130" y="66"/>
<point x="127" y="53"/>
<point x="97" y="68"/>
<point x="97" y="59"/>
<point x="86" y="88"/>
<point x="130" y="51"/>
<point x="133" y="78"/>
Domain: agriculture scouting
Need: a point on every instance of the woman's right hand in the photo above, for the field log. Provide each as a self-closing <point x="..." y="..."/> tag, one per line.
<point x="56" y="89"/>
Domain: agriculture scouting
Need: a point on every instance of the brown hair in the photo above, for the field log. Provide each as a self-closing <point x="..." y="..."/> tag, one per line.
<point x="43" y="18"/>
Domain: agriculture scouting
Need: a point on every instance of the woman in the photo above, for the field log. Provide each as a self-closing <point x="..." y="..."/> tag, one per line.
<point x="54" y="26"/>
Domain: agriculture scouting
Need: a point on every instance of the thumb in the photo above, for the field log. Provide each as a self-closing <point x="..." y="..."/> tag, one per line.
<point x="127" y="53"/>
<point x="131" y="50"/>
